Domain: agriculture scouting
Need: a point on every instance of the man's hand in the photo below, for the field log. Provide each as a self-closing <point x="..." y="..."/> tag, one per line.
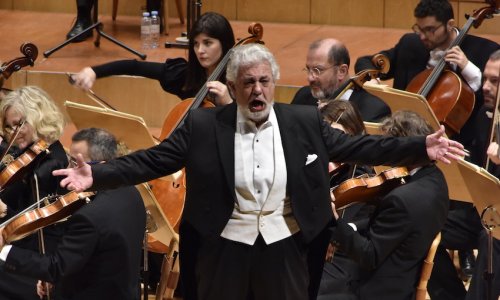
<point x="3" y="209"/>
<point x="2" y="242"/>
<point x="219" y="92"/>
<point x="41" y="288"/>
<point x="443" y="149"/>
<point x="456" y="56"/>
<point x="77" y="179"/>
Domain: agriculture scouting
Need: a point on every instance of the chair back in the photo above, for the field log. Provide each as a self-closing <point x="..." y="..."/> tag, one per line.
<point x="425" y="275"/>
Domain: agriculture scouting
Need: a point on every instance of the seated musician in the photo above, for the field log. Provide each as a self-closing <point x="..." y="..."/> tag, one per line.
<point x="99" y="255"/>
<point x="31" y="113"/>
<point x="210" y="39"/>
<point x="341" y="274"/>
<point x="327" y="68"/>
<point x="397" y="239"/>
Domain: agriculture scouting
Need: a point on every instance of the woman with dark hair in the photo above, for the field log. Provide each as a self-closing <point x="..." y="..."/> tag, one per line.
<point x="209" y="40"/>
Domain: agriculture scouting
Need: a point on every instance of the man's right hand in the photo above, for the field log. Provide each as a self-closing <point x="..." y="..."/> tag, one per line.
<point x="78" y="178"/>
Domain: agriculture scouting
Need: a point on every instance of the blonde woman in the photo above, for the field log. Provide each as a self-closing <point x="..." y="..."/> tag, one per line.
<point x="30" y="110"/>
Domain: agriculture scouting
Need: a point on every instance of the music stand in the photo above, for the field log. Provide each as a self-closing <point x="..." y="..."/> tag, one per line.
<point x="193" y="14"/>
<point x="485" y="188"/>
<point x="98" y="26"/>
<point x="402" y="100"/>
<point x="132" y="131"/>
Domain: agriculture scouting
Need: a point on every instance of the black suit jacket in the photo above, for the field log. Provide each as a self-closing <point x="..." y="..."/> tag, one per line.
<point x="371" y="108"/>
<point x="409" y="57"/>
<point x="100" y="253"/>
<point x="400" y="234"/>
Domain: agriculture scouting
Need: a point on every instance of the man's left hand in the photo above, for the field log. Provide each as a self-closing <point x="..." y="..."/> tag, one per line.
<point x="457" y="56"/>
<point x="443" y="149"/>
<point x="1" y="238"/>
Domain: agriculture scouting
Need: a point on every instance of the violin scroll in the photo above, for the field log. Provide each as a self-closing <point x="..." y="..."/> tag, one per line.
<point x="30" y="52"/>
<point x="381" y="63"/>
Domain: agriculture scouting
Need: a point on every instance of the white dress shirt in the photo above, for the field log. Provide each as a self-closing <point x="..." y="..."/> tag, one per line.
<point x="262" y="205"/>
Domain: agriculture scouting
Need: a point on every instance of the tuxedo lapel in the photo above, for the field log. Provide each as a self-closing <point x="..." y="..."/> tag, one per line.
<point x="224" y="134"/>
<point x="290" y="142"/>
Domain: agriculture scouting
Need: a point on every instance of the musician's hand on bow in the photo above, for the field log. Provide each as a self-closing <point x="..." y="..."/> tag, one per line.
<point x="457" y="56"/>
<point x="493" y="153"/>
<point x="78" y="178"/>
<point x="443" y="149"/>
<point x="84" y="79"/>
<point x="41" y="288"/>
<point x="2" y="242"/>
<point x="3" y="209"/>
<point x="219" y="92"/>
<point x="334" y="210"/>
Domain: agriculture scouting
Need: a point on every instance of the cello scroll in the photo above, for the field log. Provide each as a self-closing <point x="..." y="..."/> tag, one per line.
<point x="30" y="52"/>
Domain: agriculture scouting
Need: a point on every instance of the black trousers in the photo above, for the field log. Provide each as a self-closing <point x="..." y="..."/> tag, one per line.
<point x="230" y="270"/>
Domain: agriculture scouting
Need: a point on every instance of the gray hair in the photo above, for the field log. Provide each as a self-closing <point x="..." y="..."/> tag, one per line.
<point x="102" y="144"/>
<point x="250" y="54"/>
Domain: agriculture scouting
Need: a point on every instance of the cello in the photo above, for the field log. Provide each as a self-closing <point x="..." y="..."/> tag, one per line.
<point x="451" y="99"/>
<point x="170" y="194"/>
<point x="30" y="52"/>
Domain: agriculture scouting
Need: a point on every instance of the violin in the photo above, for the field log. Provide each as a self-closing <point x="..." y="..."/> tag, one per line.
<point x="30" y="220"/>
<point x="367" y="188"/>
<point x="451" y="100"/>
<point x="18" y="168"/>
<point x="30" y="52"/>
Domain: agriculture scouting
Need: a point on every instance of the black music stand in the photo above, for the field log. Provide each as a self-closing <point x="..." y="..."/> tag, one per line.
<point x="98" y="27"/>
<point x="193" y="14"/>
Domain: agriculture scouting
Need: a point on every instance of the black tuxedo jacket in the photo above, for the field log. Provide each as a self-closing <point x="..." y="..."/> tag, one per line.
<point x="400" y="234"/>
<point x="100" y="253"/>
<point x="409" y="57"/>
<point x="370" y="107"/>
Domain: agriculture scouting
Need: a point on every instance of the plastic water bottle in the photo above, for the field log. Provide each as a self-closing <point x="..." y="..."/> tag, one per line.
<point x="146" y="31"/>
<point x="155" y="29"/>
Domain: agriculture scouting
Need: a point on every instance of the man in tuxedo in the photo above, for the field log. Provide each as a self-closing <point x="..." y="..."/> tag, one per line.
<point x="99" y="255"/>
<point x="257" y="209"/>
<point x="327" y="67"/>
<point x="392" y="252"/>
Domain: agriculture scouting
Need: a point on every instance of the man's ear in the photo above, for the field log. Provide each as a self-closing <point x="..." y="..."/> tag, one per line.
<point x="343" y="71"/>
<point x="450" y="25"/>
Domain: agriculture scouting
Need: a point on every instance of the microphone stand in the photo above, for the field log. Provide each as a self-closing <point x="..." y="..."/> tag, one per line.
<point x="98" y="26"/>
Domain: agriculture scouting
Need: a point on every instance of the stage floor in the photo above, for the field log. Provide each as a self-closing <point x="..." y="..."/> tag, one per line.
<point x="288" y="42"/>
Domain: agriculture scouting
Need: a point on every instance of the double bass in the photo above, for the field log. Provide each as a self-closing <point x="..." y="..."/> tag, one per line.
<point x="451" y="99"/>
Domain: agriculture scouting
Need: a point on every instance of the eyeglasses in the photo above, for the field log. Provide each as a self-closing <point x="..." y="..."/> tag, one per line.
<point x="427" y="31"/>
<point x="10" y="129"/>
<point x="317" y="71"/>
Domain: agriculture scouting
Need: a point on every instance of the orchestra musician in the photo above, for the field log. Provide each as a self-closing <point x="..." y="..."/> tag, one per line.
<point x="250" y="218"/>
<point x="434" y="32"/>
<point x="99" y="255"/>
<point x="341" y="274"/>
<point x="397" y="241"/>
<point x="491" y="75"/>
<point x="463" y="227"/>
<point x="209" y="40"/>
<point x="327" y="68"/>
<point x="42" y="121"/>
